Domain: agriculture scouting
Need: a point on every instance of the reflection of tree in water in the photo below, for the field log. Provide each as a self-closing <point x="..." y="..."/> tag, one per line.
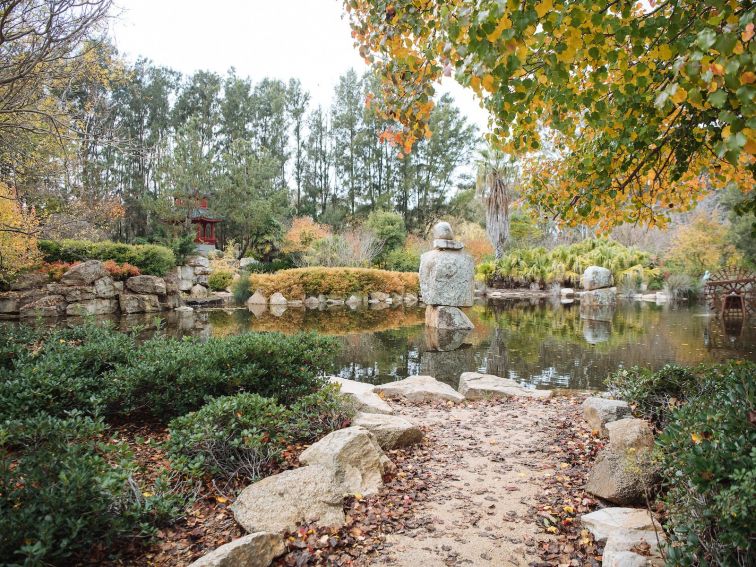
<point x="378" y="357"/>
<point x="537" y="344"/>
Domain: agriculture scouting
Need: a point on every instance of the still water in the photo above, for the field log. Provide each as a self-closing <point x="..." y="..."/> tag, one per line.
<point x="536" y="342"/>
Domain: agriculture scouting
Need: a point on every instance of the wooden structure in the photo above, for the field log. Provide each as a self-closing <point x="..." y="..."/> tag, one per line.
<point x="202" y="218"/>
<point x="731" y="293"/>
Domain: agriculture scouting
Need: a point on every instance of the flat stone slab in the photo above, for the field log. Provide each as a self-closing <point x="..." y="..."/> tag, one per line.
<point x="363" y="396"/>
<point x="391" y="431"/>
<point x="609" y="521"/>
<point x="476" y="386"/>
<point x="420" y="389"/>
<point x="253" y="550"/>
<point x="444" y="244"/>
<point x="277" y="503"/>
<point x="618" y="551"/>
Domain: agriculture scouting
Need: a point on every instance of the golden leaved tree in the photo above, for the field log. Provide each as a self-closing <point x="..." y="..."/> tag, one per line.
<point x="634" y="108"/>
<point x="18" y="241"/>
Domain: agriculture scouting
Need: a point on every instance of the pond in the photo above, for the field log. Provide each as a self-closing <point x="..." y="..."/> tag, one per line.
<point x="537" y="342"/>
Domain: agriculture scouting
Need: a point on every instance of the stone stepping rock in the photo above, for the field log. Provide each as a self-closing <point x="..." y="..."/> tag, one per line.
<point x="420" y="389"/>
<point x="363" y="396"/>
<point x="476" y="386"/>
<point x="609" y="521"/>
<point x="390" y="431"/>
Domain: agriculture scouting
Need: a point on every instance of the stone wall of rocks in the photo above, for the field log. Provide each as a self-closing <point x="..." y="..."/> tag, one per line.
<point x="376" y="298"/>
<point x="88" y="289"/>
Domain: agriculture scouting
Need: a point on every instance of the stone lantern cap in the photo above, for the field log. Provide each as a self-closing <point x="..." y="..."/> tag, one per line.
<point x="443" y="237"/>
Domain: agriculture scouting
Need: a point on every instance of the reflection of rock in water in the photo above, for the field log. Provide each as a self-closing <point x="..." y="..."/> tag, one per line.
<point x="277" y="310"/>
<point x="447" y="366"/>
<point x="596" y="331"/>
<point x="257" y="309"/>
<point x="444" y="339"/>
<point x="597" y="312"/>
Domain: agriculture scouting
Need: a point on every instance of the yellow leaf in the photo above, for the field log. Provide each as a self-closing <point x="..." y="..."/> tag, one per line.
<point x="504" y="24"/>
<point x="221" y="499"/>
<point x="696" y="438"/>
<point x="358" y="496"/>
<point x="747" y="78"/>
<point x="543" y="7"/>
<point x="488" y="82"/>
<point x="680" y="95"/>
<point x="552" y="530"/>
<point x="750" y="147"/>
<point x="665" y="52"/>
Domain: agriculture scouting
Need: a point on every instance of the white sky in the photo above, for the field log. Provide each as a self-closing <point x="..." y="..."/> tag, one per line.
<point x="305" y="39"/>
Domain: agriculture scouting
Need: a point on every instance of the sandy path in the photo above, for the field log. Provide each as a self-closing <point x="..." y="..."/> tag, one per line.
<point x="488" y="462"/>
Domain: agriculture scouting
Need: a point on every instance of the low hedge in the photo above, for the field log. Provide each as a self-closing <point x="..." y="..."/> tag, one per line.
<point x="100" y="371"/>
<point x="66" y="488"/>
<point x="243" y="436"/>
<point x="707" y="452"/>
<point x="150" y="259"/>
<point x="304" y="282"/>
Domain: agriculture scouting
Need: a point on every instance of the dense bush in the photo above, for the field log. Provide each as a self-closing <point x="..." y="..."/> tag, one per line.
<point x="230" y="436"/>
<point x="269" y="267"/>
<point x="654" y="395"/>
<point x="402" y="260"/>
<point x="565" y="264"/>
<point x="149" y="258"/>
<point x="121" y="272"/>
<point x="65" y="487"/>
<point x="241" y="287"/>
<point x="244" y="435"/>
<point x="220" y="280"/>
<point x="301" y="282"/>
<point x="97" y="370"/>
<point x="709" y="463"/>
<point x="389" y="227"/>
<point x="59" y="371"/>
<point x="168" y="377"/>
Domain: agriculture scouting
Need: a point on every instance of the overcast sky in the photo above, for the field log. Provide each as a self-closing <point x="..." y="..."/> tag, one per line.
<point x="304" y="39"/>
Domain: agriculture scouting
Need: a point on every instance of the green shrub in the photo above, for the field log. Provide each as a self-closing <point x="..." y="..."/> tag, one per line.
<point x="269" y="267"/>
<point x="241" y="287"/>
<point x="390" y="229"/>
<point x="653" y="395"/>
<point x="402" y="260"/>
<point x="244" y="435"/>
<point x="60" y="371"/>
<point x="64" y="488"/>
<point x="149" y="258"/>
<point x="100" y="371"/>
<point x="709" y="464"/>
<point x="169" y="377"/>
<point x="183" y="247"/>
<point x="680" y="287"/>
<point x="230" y="436"/>
<point x="319" y="413"/>
<point x="220" y="280"/>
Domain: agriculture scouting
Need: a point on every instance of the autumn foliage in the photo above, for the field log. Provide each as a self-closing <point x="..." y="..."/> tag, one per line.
<point x="341" y="282"/>
<point x="304" y="232"/>
<point x="641" y="107"/>
<point x="18" y="240"/>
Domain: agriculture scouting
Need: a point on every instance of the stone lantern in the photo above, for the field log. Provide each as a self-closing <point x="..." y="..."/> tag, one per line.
<point x="446" y="281"/>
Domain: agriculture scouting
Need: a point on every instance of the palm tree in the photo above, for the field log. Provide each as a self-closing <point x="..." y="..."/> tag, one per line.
<point x="496" y="183"/>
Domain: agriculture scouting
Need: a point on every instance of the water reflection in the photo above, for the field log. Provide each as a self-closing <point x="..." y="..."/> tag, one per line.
<point x="539" y="342"/>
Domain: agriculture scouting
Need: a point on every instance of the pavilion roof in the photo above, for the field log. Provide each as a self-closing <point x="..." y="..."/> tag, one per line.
<point x="203" y="213"/>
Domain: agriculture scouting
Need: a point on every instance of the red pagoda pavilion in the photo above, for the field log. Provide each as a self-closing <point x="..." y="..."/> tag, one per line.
<point x="203" y="219"/>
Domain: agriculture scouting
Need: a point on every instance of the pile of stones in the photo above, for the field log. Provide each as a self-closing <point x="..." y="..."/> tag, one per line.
<point x="446" y="281"/>
<point x="623" y="474"/>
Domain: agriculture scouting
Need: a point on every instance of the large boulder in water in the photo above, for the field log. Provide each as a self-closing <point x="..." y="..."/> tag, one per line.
<point x="596" y="277"/>
<point x="446" y="278"/>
